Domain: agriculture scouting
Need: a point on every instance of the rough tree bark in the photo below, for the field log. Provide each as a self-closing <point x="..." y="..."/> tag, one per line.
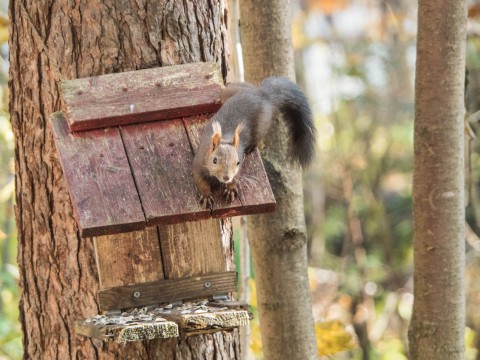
<point x="278" y="240"/>
<point x="438" y="321"/>
<point x="63" y="39"/>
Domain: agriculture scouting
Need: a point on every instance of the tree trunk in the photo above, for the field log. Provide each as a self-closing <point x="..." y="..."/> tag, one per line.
<point x="278" y="240"/>
<point x="438" y="321"/>
<point x="54" y="40"/>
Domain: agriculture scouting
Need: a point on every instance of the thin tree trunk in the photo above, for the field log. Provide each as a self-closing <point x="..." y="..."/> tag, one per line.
<point x="278" y="241"/>
<point x="438" y="321"/>
<point x="63" y="39"/>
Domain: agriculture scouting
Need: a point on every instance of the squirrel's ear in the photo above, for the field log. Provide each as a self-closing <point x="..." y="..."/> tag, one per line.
<point x="236" y="137"/>
<point x="217" y="135"/>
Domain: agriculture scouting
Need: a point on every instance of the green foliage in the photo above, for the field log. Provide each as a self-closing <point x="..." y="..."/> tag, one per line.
<point x="10" y="332"/>
<point x="10" y="335"/>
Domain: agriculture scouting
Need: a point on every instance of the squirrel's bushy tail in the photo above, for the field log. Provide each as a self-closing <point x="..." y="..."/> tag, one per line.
<point x="293" y="104"/>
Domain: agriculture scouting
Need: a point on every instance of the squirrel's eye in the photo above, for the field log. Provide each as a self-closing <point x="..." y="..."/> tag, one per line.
<point x="238" y="163"/>
<point x="214" y="160"/>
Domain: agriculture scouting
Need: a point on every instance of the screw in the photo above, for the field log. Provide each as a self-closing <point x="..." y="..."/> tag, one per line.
<point x="136" y="294"/>
<point x="207" y="284"/>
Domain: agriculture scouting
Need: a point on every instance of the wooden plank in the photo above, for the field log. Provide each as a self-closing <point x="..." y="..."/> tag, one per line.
<point x="167" y="291"/>
<point x="210" y="321"/>
<point x="100" y="182"/>
<point x="254" y="189"/>
<point x="160" y="157"/>
<point x="255" y="193"/>
<point x="123" y="333"/>
<point x="200" y="316"/>
<point x="128" y="258"/>
<point x="193" y="248"/>
<point x="142" y="95"/>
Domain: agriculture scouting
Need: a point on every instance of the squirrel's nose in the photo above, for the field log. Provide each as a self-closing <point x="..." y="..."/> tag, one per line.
<point x="226" y="178"/>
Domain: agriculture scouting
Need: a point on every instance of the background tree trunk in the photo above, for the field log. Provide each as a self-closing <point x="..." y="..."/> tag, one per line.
<point x="53" y="40"/>
<point x="438" y="321"/>
<point x="278" y="241"/>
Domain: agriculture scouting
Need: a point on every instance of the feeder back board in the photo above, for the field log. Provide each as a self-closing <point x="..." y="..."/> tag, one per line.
<point x="126" y="144"/>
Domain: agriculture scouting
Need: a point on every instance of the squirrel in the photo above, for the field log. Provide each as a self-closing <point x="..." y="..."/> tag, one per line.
<point x="241" y="123"/>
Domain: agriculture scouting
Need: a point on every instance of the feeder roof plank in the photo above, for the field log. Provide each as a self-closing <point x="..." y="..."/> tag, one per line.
<point x="255" y="192"/>
<point x="142" y="95"/>
<point x="100" y="181"/>
<point x="160" y="157"/>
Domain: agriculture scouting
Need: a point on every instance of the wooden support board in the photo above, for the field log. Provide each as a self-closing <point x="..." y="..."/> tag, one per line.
<point x="129" y="258"/>
<point x="142" y="95"/>
<point x="190" y="249"/>
<point x="167" y="291"/>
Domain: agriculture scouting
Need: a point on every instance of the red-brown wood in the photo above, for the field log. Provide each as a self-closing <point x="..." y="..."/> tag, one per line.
<point x="160" y="157"/>
<point x="254" y="188"/>
<point x="142" y="95"/>
<point x="100" y="181"/>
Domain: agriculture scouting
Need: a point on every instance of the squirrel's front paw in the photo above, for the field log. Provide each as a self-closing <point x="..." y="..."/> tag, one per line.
<point x="206" y="201"/>
<point x="230" y="192"/>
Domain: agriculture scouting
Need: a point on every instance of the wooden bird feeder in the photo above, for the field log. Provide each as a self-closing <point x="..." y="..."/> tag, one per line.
<point x="126" y="143"/>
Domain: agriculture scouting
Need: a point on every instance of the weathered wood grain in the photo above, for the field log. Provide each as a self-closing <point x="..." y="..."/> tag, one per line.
<point x="100" y="181"/>
<point x="142" y="95"/>
<point x="160" y="157"/>
<point x="128" y="258"/>
<point x="147" y="330"/>
<point x="255" y="193"/>
<point x="193" y="248"/>
<point x="167" y="291"/>
<point x="254" y="188"/>
<point x="209" y="321"/>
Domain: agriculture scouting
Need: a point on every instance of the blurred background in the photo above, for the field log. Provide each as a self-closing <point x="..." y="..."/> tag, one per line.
<point x="355" y="59"/>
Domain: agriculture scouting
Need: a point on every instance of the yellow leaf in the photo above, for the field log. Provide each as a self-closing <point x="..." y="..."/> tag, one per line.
<point x="3" y="34"/>
<point x="332" y="337"/>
